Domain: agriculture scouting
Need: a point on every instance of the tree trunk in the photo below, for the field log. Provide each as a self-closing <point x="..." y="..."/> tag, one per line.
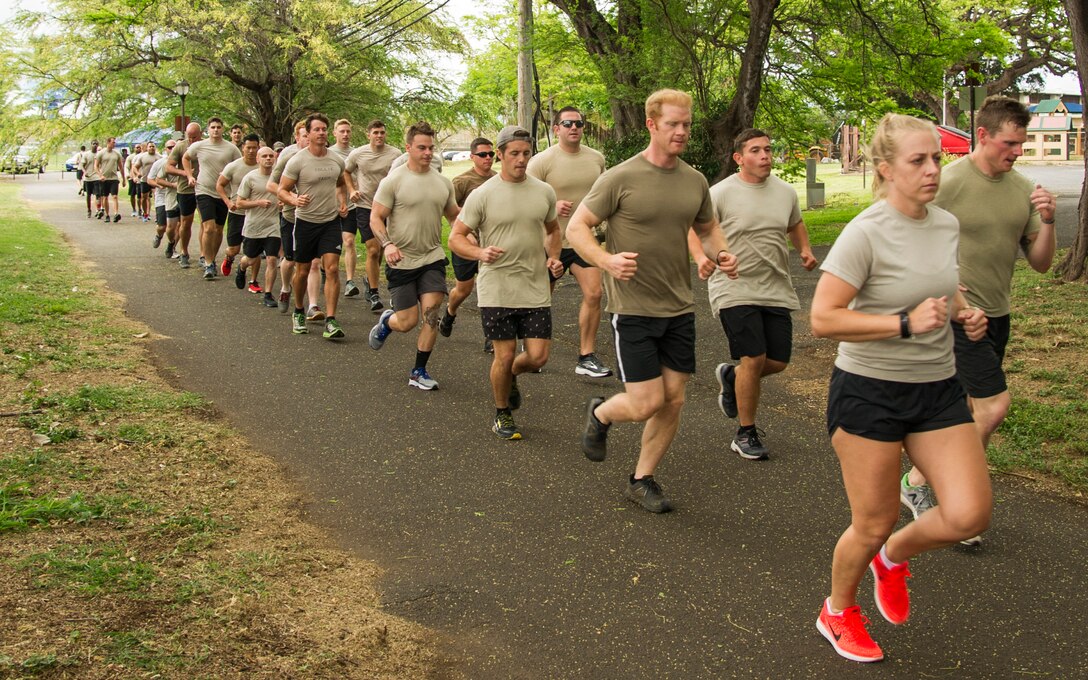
<point x="1072" y="266"/>
<point x="742" y="110"/>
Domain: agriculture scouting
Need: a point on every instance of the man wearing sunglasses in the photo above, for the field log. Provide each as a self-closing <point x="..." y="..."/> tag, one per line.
<point x="464" y="271"/>
<point x="571" y="169"/>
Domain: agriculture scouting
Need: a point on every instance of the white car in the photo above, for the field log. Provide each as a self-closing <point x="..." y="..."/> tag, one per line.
<point x="462" y="156"/>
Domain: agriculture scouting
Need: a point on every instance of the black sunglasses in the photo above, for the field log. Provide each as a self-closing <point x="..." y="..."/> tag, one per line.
<point x="484" y="154"/>
<point x="573" y="123"/>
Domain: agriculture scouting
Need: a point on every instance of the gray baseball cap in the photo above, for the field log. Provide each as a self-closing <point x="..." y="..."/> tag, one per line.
<point x="512" y="132"/>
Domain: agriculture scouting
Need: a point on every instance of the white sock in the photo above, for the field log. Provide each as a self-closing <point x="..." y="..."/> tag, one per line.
<point x="884" y="557"/>
<point x="831" y="610"/>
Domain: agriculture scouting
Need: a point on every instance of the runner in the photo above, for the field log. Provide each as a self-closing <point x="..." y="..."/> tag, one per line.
<point x="107" y="164"/>
<point x="261" y="231"/>
<point x="888" y="291"/>
<point x="236" y="136"/>
<point x="209" y="157"/>
<point x="1000" y="212"/>
<point x="757" y="213"/>
<point x="650" y="201"/>
<point x="141" y="166"/>
<point x="319" y="204"/>
<point x="366" y="167"/>
<point x="186" y="191"/>
<point x="510" y="217"/>
<point x="406" y="217"/>
<point x="571" y="170"/>
<point x="79" y="168"/>
<point x="166" y="201"/>
<point x="465" y="270"/>
<point x="91" y="180"/>
<point x="341" y="132"/>
<point x="133" y="187"/>
<point x="226" y="186"/>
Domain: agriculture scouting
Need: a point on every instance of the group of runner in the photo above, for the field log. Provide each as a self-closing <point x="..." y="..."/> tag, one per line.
<point x="917" y="294"/>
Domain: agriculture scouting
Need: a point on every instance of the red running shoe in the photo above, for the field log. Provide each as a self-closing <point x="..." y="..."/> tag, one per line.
<point x="890" y="590"/>
<point x="227" y="266"/>
<point x="255" y="287"/>
<point x="846" y="633"/>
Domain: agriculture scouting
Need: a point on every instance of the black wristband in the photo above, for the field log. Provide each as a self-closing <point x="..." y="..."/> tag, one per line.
<point x="904" y="325"/>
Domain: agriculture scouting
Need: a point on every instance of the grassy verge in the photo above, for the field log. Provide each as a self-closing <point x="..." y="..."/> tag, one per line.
<point x="1046" y="432"/>
<point x="139" y="536"/>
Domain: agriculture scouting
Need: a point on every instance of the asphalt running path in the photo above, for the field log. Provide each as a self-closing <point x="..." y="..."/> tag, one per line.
<point x="525" y="555"/>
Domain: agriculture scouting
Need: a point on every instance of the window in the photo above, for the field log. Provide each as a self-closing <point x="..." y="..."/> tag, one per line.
<point x="1054" y="152"/>
<point x="1030" y="140"/>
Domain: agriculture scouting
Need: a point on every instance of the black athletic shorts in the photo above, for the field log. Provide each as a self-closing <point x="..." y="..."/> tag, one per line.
<point x="110" y="187"/>
<point x="362" y="218"/>
<point x="349" y="224"/>
<point x="79" y="175"/>
<point x="160" y="215"/>
<point x="234" y="228"/>
<point x="753" y="330"/>
<point x="312" y="240"/>
<point x="645" y="343"/>
<point x="133" y="188"/>
<point x="978" y="364"/>
<point x="510" y="323"/>
<point x="186" y="204"/>
<point x="146" y="189"/>
<point x="464" y="270"/>
<point x="268" y="246"/>
<point x="173" y="214"/>
<point x="569" y="256"/>
<point x="406" y="286"/>
<point x="287" y="238"/>
<point x="887" y="411"/>
<point x="91" y="187"/>
<point x="211" y="208"/>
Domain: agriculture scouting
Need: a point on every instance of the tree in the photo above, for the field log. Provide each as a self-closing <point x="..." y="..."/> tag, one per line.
<point x="1072" y="266"/>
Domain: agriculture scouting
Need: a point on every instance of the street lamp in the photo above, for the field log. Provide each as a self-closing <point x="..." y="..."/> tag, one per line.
<point x="182" y="89"/>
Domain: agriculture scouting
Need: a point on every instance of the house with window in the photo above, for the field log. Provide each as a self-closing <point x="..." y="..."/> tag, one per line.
<point x="1056" y="130"/>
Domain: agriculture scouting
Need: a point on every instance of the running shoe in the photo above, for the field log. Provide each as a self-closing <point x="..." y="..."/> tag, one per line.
<point x="972" y="542"/>
<point x="419" y="378"/>
<point x="169" y="249"/>
<point x="227" y="265"/>
<point x="375" y="301"/>
<point x="513" y="400"/>
<point x="254" y="287"/>
<point x="748" y="445"/>
<point x="918" y="499"/>
<point x="239" y="278"/>
<point x="209" y="273"/>
<point x="445" y="326"/>
<point x="133" y="214"/>
<point x="647" y="494"/>
<point x="157" y="241"/>
<point x="183" y="261"/>
<point x="88" y="214"/>
<point x="595" y="436"/>
<point x="285" y="301"/>
<point x="890" y="590"/>
<point x="489" y="347"/>
<point x="298" y="323"/>
<point x="203" y="262"/>
<point x="100" y="213"/>
<point x="117" y="217"/>
<point x="314" y="313"/>
<point x="381" y="330"/>
<point x="332" y="330"/>
<point x="590" y="365"/>
<point x="350" y="289"/>
<point x="846" y="633"/>
<point x="269" y="301"/>
<point x="727" y="396"/>
<point x="504" y="426"/>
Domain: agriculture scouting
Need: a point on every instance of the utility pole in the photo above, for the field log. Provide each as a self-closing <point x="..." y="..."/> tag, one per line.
<point x="525" y="65"/>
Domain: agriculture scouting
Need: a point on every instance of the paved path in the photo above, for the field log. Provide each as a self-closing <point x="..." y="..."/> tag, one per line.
<point x="527" y="557"/>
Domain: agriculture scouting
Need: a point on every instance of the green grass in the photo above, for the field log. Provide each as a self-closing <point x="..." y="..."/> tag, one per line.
<point x="20" y="509"/>
<point x="91" y="569"/>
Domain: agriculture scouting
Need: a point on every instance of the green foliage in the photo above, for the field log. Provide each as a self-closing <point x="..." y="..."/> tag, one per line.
<point x="89" y="569"/>
<point x="21" y="510"/>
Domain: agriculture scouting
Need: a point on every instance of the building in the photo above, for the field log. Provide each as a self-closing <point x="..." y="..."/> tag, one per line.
<point x="1056" y="131"/>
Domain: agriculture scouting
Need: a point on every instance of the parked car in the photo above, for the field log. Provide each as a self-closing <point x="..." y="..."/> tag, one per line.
<point x="448" y="155"/>
<point x="461" y="156"/>
<point x="72" y="164"/>
<point x="954" y="141"/>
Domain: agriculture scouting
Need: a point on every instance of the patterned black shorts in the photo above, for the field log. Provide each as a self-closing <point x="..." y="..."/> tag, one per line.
<point x="509" y="323"/>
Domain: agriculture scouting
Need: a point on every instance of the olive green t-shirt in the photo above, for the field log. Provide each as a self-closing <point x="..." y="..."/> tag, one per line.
<point x="368" y="167"/>
<point x="467" y="182"/>
<point x="183" y="182"/>
<point x="234" y="172"/>
<point x="754" y="219"/>
<point x="570" y="174"/>
<point x="260" y="222"/>
<point x="109" y="162"/>
<point x="649" y="211"/>
<point x="511" y="216"/>
<point x="211" y="157"/>
<point x="417" y="201"/>
<point x="316" y="176"/>
<point x="996" y="216"/>
<point x="896" y="262"/>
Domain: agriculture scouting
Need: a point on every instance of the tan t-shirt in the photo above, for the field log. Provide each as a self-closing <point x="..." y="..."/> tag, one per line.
<point x="109" y="162"/>
<point x="277" y="175"/>
<point x="417" y="201"/>
<point x="316" y="176"/>
<point x="211" y="158"/>
<point x="896" y="262"/>
<point x="183" y="182"/>
<point x="511" y="216"/>
<point x="369" y="167"/>
<point x="996" y="216"/>
<point x="170" y="193"/>
<point x="89" y="174"/>
<point x="649" y="211"/>
<point x="754" y="219"/>
<point x="234" y="172"/>
<point x="467" y="182"/>
<point x="145" y="161"/>
<point x="260" y="222"/>
<point x="570" y="174"/>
